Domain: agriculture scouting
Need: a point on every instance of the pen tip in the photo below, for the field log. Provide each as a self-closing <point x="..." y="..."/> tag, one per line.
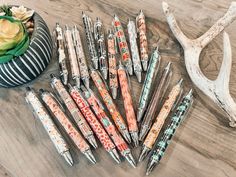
<point x="52" y="75"/>
<point x="115" y="155"/>
<point x="67" y="156"/>
<point x="180" y="81"/>
<point x="168" y="65"/>
<point x="145" y="65"/>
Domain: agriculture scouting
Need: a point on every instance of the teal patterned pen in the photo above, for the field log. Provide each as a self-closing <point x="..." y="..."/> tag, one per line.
<point x="176" y="119"/>
<point x="148" y="82"/>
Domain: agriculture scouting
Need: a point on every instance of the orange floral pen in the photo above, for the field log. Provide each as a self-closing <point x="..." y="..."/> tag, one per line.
<point x="128" y="104"/>
<point x="116" y="116"/>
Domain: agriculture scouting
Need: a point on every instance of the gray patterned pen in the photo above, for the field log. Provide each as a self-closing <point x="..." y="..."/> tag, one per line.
<point x="88" y="26"/>
<point x="41" y="113"/>
<point x="72" y="56"/>
<point x="134" y="50"/>
<point x="156" y="98"/>
<point x="101" y="47"/>
<point x="84" y="74"/>
<point x="65" y="97"/>
<point x="169" y="132"/>
<point x="61" y="54"/>
<point x="150" y="78"/>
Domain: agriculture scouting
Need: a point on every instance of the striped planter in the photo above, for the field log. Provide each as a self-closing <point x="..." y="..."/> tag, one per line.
<point x="33" y="62"/>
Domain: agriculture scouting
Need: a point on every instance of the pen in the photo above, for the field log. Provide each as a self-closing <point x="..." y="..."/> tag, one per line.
<point x="143" y="45"/>
<point x="98" y="109"/>
<point x="156" y="98"/>
<point x="128" y="104"/>
<point x="101" y="46"/>
<point x="160" y="120"/>
<point x="122" y="43"/>
<point x="150" y="78"/>
<point x="55" y="109"/>
<point x="113" y="80"/>
<point x="61" y="54"/>
<point x="176" y="120"/>
<point x="88" y="26"/>
<point x="72" y="56"/>
<point x="134" y="50"/>
<point x="116" y="116"/>
<point x="41" y="113"/>
<point x="94" y="123"/>
<point x="62" y="93"/>
<point x="84" y="74"/>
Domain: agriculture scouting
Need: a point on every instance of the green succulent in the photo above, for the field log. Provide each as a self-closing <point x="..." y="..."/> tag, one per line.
<point x="14" y="39"/>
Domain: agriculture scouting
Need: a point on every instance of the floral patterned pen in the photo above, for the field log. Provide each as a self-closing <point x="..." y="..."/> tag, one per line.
<point x="128" y="104"/>
<point x="113" y="80"/>
<point x="122" y="43"/>
<point x="101" y="47"/>
<point x="160" y="119"/>
<point x="56" y="110"/>
<point x="159" y="91"/>
<point x="141" y="29"/>
<point x="176" y="120"/>
<point x="84" y="74"/>
<point x="41" y="113"/>
<point x="61" y="54"/>
<point x="116" y="116"/>
<point x="88" y="26"/>
<point x="150" y="78"/>
<point x="134" y="50"/>
<point x="98" y="109"/>
<point x="75" y="72"/>
<point x="65" y="97"/>
<point x="102" y="135"/>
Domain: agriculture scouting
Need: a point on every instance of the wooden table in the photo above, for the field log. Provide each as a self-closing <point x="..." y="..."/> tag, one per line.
<point x="204" y="145"/>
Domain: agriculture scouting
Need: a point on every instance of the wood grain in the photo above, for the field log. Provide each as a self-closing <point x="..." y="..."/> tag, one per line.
<point x="203" y="146"/>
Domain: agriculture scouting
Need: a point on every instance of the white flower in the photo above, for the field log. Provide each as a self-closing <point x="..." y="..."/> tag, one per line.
<point x="2" y="13"/>
<point x="21" y="13"/>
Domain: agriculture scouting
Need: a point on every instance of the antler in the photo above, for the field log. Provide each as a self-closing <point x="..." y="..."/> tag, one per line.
<point x="217" y="90"/>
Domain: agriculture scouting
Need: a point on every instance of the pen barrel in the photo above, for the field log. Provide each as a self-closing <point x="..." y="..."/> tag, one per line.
<point x="108" y="125"/>
<point x="71" y="107"/>
<point x="90" y="40"/>
<point x="148" y="82"/>
<point x="65" y="122"/>
<point x="128" y="103"/>
<point x="116" y="116"/>
<point x="80" y="53"/>
<point x="169" y="132"/>
<point x="122" y="43"/>
<point x="92" y="120"/>
<point x="133" y="46"/>
<point x="113" y="80"/>
<point x="72" y="55"/>
<point x="41" y="113"/>
<point x="141" y="28"/>
<point x="156" y="98"/>
<point x="163" y="114"/>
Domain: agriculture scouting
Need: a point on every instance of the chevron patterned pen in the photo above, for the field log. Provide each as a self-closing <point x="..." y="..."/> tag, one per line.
<point x="176" y="120"/>
<point x="88" y="26"/>
<point x="54" y="107"/>
<point x="134" y="50"/>
<point x="65" y="97"/>
<point x="84" y="74"/>
<point x="116" y="116"/>
<point x="102" y="135"/>
<point x="160" y="119"/>
<point x="41" y="113"/>
<point x="98" y="109"/>
<point x="122" y="43"/>
<point x="150" y="78"/>
<point x="128" y="104"/>
<point x="112" y="61"/>
<point x="141" y="29"/>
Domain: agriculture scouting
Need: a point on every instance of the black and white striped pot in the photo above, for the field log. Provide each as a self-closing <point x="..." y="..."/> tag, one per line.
<point x="33" y="62"/>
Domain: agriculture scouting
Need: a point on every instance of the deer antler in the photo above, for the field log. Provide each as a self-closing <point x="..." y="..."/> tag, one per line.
<point x="217" y="90"/>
